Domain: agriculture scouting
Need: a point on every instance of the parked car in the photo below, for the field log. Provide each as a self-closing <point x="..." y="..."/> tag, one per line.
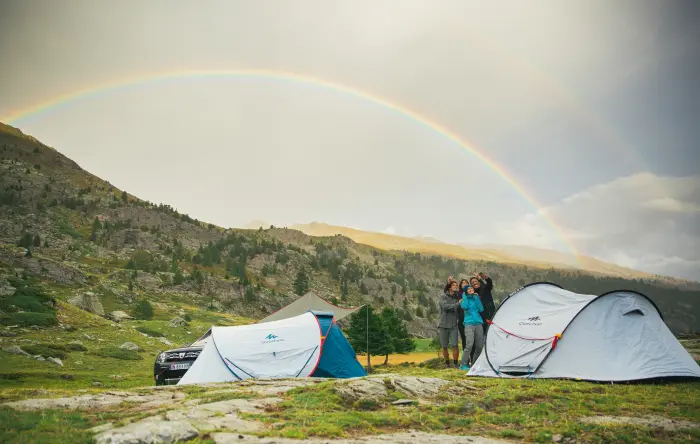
<point x="171" y="365"/>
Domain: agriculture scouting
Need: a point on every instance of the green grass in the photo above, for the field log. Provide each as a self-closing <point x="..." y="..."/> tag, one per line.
<point x="423" y="345"/>
<point x="119" y="353"/>
<point x="49" y="427"/>
<point x="149" y="331"/>
<point x="512" y="409"/>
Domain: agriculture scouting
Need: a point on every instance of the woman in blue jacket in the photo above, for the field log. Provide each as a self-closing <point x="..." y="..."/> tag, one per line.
<point x="473" y="329"/>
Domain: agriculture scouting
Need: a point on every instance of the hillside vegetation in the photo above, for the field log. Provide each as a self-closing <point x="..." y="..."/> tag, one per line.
<point x="74" y="233"/>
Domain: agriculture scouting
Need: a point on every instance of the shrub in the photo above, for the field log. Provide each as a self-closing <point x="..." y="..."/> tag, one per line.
<point x="28" y="318"/>
<point x="187" y="317"/>
<point x="367" y="404"/>
<point x="149" y="331"/>
<point x="119" y="353"/>
<point x="143" y="310"/>
<point x="46" y="350"/>
<point x="76" y="347"/>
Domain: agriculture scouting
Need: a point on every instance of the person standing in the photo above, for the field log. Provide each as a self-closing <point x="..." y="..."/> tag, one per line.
<point x="447" y="328"/>
<point x="483" y="286"/>
<point x="472" y="327"/>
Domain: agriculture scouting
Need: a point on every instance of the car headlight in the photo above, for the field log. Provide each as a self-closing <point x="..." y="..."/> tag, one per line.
<point x="161" y="358"/>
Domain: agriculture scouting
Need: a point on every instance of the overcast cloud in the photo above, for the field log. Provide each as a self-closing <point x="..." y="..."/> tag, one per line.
<point x="590" y="106"/>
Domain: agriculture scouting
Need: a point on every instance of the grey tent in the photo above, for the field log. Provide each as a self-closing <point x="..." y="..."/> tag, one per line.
<point x="544" y="331"/>
<point x="310" y="301"/>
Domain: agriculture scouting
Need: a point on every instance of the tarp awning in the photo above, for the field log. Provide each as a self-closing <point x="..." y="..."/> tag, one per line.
<point x="310" y="301"/>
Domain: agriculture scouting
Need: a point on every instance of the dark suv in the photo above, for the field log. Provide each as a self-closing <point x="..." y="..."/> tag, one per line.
<point x="171" y="365"/>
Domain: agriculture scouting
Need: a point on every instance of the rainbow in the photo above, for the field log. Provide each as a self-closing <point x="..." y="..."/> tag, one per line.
<point x="17" y="116"/>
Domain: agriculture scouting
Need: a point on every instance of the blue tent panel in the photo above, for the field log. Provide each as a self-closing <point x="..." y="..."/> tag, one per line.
<point x="338" y="359"/>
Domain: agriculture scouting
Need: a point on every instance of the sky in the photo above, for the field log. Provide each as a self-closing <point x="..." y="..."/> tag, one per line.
<point x="590" y="109"/>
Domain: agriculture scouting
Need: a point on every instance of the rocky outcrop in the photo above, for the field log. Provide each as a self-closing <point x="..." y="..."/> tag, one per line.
<point x="147" y="431"/>
<point x="130" y="346"/>
<point x="177" y="322"/>
<point x="5" y="288"/>
<point x="378" y="387"/>
<point x="102" y="400"/>
<point x="88" y="302"/>
<point x="15" y="350"/>
<point x="393" y="438"/>
<point x="118" y="316"/>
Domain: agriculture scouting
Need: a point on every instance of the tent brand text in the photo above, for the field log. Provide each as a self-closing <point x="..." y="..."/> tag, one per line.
<point x="535" y="320"/>
<point x="271" y="338"/>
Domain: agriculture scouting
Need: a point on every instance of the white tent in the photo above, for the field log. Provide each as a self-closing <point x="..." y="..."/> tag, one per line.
<point x="310" y="301"/>
<point x="288" y="348"/>
<point x="544" y="331"/>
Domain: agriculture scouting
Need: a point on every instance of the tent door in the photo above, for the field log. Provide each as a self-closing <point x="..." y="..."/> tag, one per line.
<point x="515" y="356"/>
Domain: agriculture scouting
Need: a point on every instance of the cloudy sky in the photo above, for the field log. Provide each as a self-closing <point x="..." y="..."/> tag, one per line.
<point x="589" y="107"/>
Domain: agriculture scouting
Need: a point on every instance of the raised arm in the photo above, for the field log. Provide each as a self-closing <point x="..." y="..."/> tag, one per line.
<point x="487" y="282"/>
<point x="447" y="303"/>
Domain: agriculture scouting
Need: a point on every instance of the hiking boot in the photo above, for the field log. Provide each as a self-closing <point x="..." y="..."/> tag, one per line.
<point x="464" y="367"/>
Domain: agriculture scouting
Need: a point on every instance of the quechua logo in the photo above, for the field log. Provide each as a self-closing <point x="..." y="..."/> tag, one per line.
<point x="271" y="338"/>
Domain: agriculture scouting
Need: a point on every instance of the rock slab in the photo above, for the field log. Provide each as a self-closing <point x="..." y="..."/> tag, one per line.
<point x="394" y="438"/>
<point x="149" y="431"/>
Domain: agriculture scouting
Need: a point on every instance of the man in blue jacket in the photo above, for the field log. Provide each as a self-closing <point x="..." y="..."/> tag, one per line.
<point x="473" y="329"/>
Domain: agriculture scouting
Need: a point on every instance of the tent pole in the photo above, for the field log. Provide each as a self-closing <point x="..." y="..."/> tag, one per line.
<point x="369" y="365"/>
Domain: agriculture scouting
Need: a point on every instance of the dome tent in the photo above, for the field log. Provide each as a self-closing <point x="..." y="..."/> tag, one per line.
<point x="544" y="331"/>
<point x="310" y="344"/>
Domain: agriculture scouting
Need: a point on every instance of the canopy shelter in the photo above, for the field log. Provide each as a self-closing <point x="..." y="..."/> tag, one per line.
<point x="310" y="301"/>
<point x="545" y="331"/>
<point x="310" y="344"/>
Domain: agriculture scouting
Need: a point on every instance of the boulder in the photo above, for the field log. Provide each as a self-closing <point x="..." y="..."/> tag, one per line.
<point x="15" y="350"/>
<point x="130" y="346"/>
<point x="165" y="340"/>
<point x="148" y="281"/>
<point x="177" y="322"/>
<point x="118" y="316"/>
<point x="55" y="361"/>
<point x="88" y="302"/>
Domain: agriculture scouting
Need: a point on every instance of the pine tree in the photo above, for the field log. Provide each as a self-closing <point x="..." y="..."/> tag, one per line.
<point x="36" y="241"/>
<point x="124" y="197"/>
<point x="196" y="276"/>
<point x="363" y="288"/>
<point x="143" y="310"/>
<point x="178" y="279"/>
<point x="399" y="341"/>
<point x="379" y="343"/>
<point x="96" y="226"/>
<point x="301" y="283"/>
<point x="344" y="290"/>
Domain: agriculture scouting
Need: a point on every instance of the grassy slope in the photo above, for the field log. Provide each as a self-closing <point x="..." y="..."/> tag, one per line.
<point x="532" y="410"/>
<point x="83" y="368"/>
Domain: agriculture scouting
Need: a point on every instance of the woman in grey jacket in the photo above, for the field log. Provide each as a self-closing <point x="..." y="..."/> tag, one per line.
<point x="449" y="319"/>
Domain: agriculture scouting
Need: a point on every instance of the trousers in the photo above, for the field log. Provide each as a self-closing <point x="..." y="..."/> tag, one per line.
<point x="474" y="335"/>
